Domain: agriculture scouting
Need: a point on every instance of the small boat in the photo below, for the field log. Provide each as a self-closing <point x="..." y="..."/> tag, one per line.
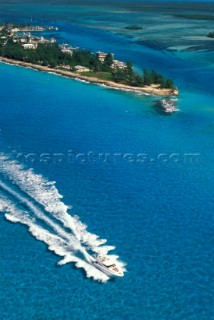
<point x="107" y="265"/>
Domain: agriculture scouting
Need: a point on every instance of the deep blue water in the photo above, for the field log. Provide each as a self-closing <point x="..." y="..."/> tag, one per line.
<point x="158" y="213"/>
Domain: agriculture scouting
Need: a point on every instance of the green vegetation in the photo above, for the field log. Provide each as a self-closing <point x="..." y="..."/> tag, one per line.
<point x="108" y="63"/>
<point x="210" y="35"/>
<point x="3" y="32"/>
<point x="50" y="55"/>
<point x="130" y="77"/>
<point x="45" y="54"/>
<point x="133" y="28"/>
<point x="101" y="75"/>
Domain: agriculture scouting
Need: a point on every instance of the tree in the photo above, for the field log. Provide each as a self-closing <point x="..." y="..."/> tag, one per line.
<point x="210" y="35"/>
<point x="95" y="64"/>
<point x="139" y="82"/>
<point x="129" y="68"/>
<point x="169" y="84"/>
<point x="147" y="77"/>
<point x="108" y="60"/>
<point x="118" y="75"/>
<point x="129" y="74"/>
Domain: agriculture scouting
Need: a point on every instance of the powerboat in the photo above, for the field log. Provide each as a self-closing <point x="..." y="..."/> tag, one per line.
<point x="107" y="265"/>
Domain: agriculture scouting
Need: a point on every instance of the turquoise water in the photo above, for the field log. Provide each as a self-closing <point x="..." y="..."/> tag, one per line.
<point x="156" y="208"/>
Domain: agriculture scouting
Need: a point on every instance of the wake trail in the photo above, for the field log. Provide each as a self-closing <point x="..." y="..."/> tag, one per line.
<point x="40" y="215"/>
<point x="42" y="198"/>
<point x="55" y="242"/>
<point x="46" y="194"/>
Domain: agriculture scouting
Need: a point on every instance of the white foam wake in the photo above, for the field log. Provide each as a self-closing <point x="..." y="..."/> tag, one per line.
<point x="46" y="194"/>
<point x="39" y="192"/>
<point x="54" y="242"/>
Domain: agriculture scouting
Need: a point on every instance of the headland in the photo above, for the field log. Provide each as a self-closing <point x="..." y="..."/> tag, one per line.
<point x="19" y="47"/>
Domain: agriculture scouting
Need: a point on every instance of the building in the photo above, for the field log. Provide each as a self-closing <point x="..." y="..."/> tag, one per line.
<point x="29" y="46"/>
<point x="81" y="69"/>
<point x="52" y="40"/>
<point x="15" y="30"/>
<point x="118" y="64"/>
<point x="64" y="50"/>
<point x="68" y="67"/>
<point x="102" y="55"/>
<point x="42" y="40"/>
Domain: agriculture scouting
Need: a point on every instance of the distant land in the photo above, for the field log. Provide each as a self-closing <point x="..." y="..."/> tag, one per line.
<point x="19" y="46"/>
<point x="133" y="28"/>
<point x="210" y="35"/>
<point x="194" y="16"/>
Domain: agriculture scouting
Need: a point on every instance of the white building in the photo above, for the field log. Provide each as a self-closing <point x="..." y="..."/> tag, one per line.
<point x="81" y="69"/>
<point x="29" y="46"/>
<point x="118" y="64"/>
<point x="52" y="40"/>
<point x="102" y="55"/>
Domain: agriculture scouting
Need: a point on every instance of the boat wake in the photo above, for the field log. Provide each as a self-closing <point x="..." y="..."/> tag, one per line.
<point x="31" y="200"/>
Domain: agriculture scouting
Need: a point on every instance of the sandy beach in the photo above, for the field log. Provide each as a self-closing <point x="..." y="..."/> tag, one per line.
<point x="152" y="90"/>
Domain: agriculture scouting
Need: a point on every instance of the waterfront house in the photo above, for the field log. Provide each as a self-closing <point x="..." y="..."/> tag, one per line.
<point x="52" y="40"/>
<point x="15" y="30"/>
<point x="118" y="64"/>
<point x="67" y="66"/>
<point x="102" y="55"/>
<point x="81" y="69"/>
<point x="29" y="46"/>
<point x="65" y="48"/>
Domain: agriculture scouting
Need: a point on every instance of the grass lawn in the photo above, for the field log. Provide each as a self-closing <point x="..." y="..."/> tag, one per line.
<point x="100" y="75"/>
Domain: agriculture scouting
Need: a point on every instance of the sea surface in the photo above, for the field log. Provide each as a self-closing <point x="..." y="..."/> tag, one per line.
<point x="135" y="177"/>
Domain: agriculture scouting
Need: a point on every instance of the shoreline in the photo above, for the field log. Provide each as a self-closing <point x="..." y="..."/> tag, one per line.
<point x="147" y="90"/>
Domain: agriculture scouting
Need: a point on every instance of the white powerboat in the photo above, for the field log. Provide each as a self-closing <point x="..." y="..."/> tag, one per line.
<point x="107" y="265"/>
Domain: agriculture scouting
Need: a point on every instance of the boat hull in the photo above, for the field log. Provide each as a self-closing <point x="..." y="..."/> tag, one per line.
<point x="106" y="270"/>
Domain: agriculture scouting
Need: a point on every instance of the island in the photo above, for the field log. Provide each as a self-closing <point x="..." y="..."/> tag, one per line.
<point x="133" y="28"/>
<point x="210" y="35"/>
<point x="18" y="46"/>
